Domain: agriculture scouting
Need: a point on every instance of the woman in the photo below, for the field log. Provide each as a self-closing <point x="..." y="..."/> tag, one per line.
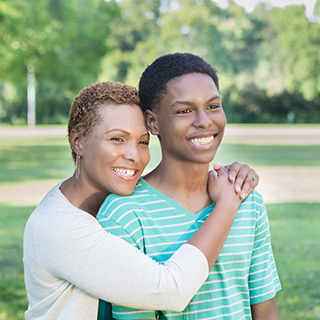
<point x="70" y="261"/>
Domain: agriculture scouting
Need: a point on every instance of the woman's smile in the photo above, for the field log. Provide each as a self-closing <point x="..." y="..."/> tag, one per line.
<point x="126" y="174"/>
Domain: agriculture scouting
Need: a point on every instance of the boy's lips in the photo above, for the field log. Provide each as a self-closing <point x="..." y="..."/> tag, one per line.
<point x="127" y="174"/>
<point x="201" y="141"/>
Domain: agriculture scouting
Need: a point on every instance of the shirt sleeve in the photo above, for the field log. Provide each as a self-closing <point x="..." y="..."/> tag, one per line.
<point x="263" y="277"/>
<point x="76" y="248"/>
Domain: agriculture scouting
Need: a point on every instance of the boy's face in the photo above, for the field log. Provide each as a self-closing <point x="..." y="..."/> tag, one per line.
<point x="190" y="120"/>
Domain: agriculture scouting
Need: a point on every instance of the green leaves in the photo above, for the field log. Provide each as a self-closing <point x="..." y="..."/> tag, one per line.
<point x="264" y="55"/>
<point x="64" y="40"/>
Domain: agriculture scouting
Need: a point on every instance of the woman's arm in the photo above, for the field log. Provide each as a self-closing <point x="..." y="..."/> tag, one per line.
<point x="213" y="233"/>
<point x="171" y="286"/>
<point x="77" y="250"/>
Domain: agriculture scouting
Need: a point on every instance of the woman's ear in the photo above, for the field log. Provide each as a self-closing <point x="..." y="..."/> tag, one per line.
<point x="77" y="142"/>
<point x="151" y="122"/>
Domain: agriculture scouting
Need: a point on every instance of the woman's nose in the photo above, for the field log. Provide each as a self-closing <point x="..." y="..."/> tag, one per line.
<point x="132" y="153"/>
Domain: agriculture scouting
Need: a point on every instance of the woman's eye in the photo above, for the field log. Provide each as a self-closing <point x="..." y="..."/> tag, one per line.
<point x="144" y="142"/>
<point x="118" y="139"/>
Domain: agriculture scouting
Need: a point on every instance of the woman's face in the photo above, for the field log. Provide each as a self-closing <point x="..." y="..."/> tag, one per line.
<point x="116" y="152"/>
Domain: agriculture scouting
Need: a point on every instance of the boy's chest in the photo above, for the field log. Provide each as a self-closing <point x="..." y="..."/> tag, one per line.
<point x="165" y="234"/>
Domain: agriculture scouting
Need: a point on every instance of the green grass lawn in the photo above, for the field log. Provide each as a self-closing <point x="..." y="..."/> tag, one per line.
<point x="270" y="155"/>
<point x="13" y="299"/>
<point x="294" y="226"/>
<point x="295" y="241"/>
<point x="296" y="245"/>
<point x="26" y="160"/>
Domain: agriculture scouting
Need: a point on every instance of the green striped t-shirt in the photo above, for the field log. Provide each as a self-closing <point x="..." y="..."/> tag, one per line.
<point x="244" y="274"/>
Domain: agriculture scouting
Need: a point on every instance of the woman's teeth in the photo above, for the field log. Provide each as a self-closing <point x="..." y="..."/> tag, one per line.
<point x="124" y="172"/>
<point x="201" y="141"/>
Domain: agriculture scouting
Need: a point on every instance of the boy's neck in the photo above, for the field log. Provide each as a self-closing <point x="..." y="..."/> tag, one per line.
<point x="186" y="183"/>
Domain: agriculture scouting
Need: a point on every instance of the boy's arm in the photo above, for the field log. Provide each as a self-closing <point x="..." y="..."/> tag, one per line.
<point x="266" y="310"/>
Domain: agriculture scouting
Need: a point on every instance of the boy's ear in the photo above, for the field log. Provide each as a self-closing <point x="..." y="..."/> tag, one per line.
<point x="77" y="142"/>
<point x="151" y="122"/>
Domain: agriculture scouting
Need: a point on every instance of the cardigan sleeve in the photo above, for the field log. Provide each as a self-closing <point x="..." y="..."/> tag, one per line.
<point x="76" y="248"/>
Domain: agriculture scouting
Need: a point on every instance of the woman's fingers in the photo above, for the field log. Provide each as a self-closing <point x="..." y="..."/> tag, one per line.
<point x="245" y="179"/>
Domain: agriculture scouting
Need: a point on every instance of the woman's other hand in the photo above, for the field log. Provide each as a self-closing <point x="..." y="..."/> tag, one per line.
<point x="245" y="179"/>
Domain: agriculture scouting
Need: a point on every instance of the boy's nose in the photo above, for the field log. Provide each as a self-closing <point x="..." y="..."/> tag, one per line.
<point x="202" y="119"/>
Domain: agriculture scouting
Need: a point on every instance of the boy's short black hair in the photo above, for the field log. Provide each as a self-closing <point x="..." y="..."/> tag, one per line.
<point x="154" y="79"/>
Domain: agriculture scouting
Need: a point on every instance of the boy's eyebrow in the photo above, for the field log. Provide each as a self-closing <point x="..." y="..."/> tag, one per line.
<point x="188" y="103"/>
<point x="214" y="98"/>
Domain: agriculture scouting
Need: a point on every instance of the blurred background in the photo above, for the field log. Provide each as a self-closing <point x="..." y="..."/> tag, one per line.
<point x="267" y="54"/>
<point x="268" y="59"/>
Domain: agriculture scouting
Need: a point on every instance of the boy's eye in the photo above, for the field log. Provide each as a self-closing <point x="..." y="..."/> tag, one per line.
<point x="213" y="106"/>
<point x="184" y="111"/>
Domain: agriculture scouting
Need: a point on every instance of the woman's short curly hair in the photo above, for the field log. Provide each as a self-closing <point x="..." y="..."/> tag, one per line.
<point x="84" y="113"/>
<point x="154" y="79"/>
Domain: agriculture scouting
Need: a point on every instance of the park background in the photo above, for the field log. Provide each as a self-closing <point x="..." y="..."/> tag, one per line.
<point x="268" y="62"/>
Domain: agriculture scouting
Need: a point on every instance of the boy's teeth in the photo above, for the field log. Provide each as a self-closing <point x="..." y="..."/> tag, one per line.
<point x="201" y="141"/>
<point x="124" y="172"/>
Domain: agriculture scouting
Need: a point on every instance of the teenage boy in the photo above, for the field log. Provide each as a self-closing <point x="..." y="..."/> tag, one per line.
<point x="180" y="98"/>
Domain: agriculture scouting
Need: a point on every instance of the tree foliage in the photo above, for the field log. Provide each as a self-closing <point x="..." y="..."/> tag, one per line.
<point x="268" y="61"/>
<point x="63" y="40"/>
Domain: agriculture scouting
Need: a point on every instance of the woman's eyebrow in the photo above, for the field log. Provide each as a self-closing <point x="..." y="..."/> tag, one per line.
<point x="116" y="129"/>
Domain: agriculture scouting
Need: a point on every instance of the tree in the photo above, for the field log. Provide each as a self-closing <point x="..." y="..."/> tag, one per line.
<point x="292" y="48"/>
<point x="64" y="40"/>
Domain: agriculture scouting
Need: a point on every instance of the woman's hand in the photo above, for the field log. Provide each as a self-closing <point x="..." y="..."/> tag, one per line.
<point x="245" y="179"/>
<point x="221" y="189"/>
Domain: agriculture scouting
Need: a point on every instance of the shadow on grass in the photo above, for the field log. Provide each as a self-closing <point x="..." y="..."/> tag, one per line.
<point x="13" y="298"/>
<point x="50" y="159"/>
<point x="296" y="245"/>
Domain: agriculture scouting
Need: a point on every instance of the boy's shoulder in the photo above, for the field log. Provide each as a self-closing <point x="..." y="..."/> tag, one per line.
<point x="141" y="195"/>
<point x="254" y="200"/>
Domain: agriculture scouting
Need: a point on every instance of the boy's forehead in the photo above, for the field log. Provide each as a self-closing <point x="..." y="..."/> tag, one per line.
<point x="177" y="79"/>
<point x="183" y="83"/>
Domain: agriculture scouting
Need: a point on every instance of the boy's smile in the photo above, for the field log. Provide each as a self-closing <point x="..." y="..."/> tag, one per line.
<point x="190" y="120"/>
<point x="202" y="141"/>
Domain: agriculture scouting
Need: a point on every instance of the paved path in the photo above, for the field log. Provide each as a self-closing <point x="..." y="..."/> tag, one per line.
<point x="285" y="135"/>
<point x="276" y="184"/>
<point x="31" y="133"/>
<point x="275" y="135"/>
